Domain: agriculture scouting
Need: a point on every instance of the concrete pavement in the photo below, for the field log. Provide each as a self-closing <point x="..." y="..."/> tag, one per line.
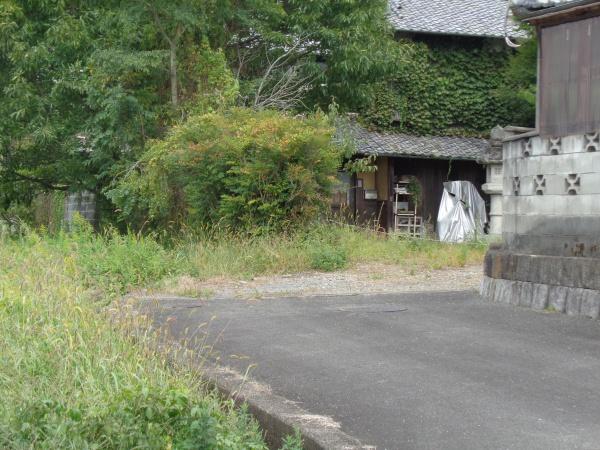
<point x="413" y="371"/>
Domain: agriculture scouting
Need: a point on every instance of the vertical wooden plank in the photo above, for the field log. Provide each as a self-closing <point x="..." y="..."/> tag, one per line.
<point x="585" y="76"/>
<point x="565" y="84"/>
<point x="554" y="83"/>
<point x="594" y="124"/>
<point x="390" y="197"/>
<point x="538" y="97"/>
<point x="580" y="66"/>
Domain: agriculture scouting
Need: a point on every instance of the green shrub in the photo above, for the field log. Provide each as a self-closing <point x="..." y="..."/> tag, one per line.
<point x="115" y="263"/>
<point x="240" y="169"/>
<point x="328" y="258"/>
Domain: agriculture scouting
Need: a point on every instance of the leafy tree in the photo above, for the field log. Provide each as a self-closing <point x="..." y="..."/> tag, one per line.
<point x="520" y="86"/>
<point x="340" y="47"/>
<point x="173" y="19"/>
<point x="84" y="86"/>
<point x="354" y="41"/>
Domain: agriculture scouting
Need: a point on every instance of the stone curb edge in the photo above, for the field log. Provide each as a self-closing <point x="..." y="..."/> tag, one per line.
<point x="278" y="416"/>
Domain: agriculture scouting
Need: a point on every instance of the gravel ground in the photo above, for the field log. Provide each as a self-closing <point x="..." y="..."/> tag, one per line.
<point x="370" y="279"/>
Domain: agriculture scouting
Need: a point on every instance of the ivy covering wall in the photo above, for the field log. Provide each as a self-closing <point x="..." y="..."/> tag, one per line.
<point x="447" y="86"/>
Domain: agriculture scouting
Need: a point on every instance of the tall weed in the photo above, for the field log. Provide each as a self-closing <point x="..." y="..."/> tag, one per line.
<point x="69" y="378"/>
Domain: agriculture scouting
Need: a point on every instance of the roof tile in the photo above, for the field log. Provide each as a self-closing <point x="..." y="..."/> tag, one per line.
<point x="484" y="18"/>
<point x="434" y="147"/>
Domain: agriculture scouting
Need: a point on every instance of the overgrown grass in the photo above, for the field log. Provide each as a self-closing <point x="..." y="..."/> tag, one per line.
<point x="69" y="376"/>
<point x="323" y="247"/>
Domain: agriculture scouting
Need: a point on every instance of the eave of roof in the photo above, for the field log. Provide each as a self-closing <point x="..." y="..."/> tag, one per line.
<point x="410" y="146"/>
<point x="528" y="15"/>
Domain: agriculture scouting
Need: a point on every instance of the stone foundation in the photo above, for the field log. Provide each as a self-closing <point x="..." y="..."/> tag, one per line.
<point x="572" y="301"/>
<point x="563" y="284"/>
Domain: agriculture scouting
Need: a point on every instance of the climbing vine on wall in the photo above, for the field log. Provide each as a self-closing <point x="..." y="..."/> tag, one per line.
<point x="444" y="87"/>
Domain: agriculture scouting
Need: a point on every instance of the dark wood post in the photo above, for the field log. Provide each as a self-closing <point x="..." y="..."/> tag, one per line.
<point x="390" y="199"/>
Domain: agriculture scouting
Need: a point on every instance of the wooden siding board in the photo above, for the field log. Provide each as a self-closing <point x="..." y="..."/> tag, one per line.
<point x="595" y="74"/>
<point x="569" y="78"/>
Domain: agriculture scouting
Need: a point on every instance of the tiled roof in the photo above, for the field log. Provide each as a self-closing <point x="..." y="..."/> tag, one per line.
<point x="397" y="144"/>
<point x="484" y="18"/>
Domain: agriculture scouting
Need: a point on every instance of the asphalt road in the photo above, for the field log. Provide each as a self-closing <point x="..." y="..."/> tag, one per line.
<point x="414" y="371"/>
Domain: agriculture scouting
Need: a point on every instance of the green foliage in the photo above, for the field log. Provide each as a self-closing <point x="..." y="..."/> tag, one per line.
<point x="70" y="377"/>
<point x="139" y="417"/>
<point x="345" y="46"/>
<point x="48" y="211"/>
<point x="84" y="88"/>
<point x="239" y="169"/>
<point x="355" y="41"/>
<point x="414" y="188"/>
<point x="328" y="258"/>
<point x="213" y="86"/>
<point x="520" y="85"/>
<point x="361" y="164"/>
<point x="445" y="87"/>
<point x="86" y="85"/>
<point x="115" y="262"/>
<point x="293" y="441"/>
<point x="325" y="249"/>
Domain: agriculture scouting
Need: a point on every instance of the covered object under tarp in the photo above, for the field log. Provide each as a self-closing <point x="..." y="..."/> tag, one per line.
<point x="462" y="214"/>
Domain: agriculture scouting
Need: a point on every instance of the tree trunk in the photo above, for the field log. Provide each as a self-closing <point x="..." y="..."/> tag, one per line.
<point x="173" y="55"/>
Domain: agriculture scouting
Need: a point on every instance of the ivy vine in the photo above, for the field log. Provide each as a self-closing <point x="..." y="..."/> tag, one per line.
<point x="445" y="87"/>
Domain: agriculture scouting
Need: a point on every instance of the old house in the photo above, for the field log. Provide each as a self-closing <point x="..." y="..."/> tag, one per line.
<point x="431" y="124"/>
<point x="550" y="255"/>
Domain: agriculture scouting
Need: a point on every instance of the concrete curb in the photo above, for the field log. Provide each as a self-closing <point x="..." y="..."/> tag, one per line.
<point x="278" y="416"/>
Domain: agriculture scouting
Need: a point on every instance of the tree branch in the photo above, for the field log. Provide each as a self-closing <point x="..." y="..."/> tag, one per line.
<point x="16" y="176"/>
<point x="288" y="79"/>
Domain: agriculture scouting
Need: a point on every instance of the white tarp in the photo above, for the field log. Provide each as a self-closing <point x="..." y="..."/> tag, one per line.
<point x="462" y="214"/>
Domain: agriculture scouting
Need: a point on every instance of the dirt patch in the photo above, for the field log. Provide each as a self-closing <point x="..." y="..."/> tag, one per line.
<point x="368" y="279"/>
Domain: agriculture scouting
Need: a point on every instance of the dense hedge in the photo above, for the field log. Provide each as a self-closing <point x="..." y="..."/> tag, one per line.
<point x="446" y="86"/>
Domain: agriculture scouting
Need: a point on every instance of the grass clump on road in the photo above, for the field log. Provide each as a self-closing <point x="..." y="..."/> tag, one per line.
<point x="69" y="376"/>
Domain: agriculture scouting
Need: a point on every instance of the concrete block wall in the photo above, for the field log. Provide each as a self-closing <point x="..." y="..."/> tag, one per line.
<point x="550" y="255"/>
<point x="83" y="203"/>
<point x="551" y="201"/>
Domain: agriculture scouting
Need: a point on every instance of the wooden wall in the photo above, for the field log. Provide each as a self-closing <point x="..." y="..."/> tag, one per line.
<point x="569" y="78"/>
<point x="432" y="173"/>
